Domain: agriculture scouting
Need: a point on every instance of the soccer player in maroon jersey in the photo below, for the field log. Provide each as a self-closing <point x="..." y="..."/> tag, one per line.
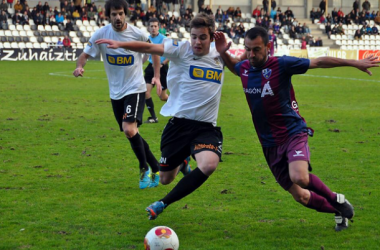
<point x="282" y="132"/>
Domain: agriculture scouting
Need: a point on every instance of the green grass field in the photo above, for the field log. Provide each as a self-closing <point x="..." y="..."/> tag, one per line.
<point x="69" y="179"/>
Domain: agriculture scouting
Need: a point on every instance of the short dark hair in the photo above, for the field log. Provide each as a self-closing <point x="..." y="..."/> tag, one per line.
<point x="153" y="20"/>
<point x="116" y="4"/>
<point x="258" y="32"/>
<point x="203" y="20"/>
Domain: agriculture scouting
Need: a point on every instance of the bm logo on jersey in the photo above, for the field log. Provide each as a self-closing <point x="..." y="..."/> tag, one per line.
<point x="206" y="74"/>
<point x="120" y="60"/>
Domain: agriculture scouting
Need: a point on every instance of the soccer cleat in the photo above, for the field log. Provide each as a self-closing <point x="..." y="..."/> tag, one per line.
<point x="154" y="179"/>
<point x="341" y="223"/>
<point x="152" y="120"/>
<point x="155" y="209"/>
<point x="343" y="206"/>
<point x="144" y="179"/>
<point x="186" y="169"/>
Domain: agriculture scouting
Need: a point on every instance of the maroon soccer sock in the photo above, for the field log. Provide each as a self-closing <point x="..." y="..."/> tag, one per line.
<point x="320" y="204"/>
<point x="317" y="186"/>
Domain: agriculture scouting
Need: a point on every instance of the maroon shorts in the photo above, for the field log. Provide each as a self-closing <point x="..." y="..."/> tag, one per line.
<point x="278" y="158"/>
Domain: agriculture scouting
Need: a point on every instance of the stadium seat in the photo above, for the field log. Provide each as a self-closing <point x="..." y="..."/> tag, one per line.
<point x="15" y="33"/>
<point x="11" y="39"/>
<point x="31" y="22"/>
<point x="85" y="22"/>
<point x="174" y="35"/>
<point x="79" y="45"/>
<point x="40" y="28"/>
<point x="86" y="34"/>
<point x="18" y="39"/>
<point x="50" y="33"/>
<point x="349" y="42"/>
<point x="76" y="40"/>
<point x="96" y="28"/>
<point x="7" y="45"/>
<point x="37" y="45"/>
<point x="29" y="45"/>
<point x="343" y="47"/>
<point x="72" y="34"/>
<point x="176" y="14"/>
<point x="83" y="40"/>
<point x="19" y="27"/>
<point x="33" y="39"/>
<point x="44" y="46"/>
<point x="2" y="33"/>
<point x="14" y="45"/>
<point x="47" y="39"/>
<point x="89" y="28"/>
<point x="4" y="39"/>
<point x="139" y="24"/>
<point x="79" y="23"/>
<point x="1" y="45"/>
<point x="55" y="28"/>
<point x="25" y="39"/>
<point x="54" y="39"/>
<point x="332" y="37"/>
<point x="93" y="23"/>
<point x="82" y="28"/>
<point x="12" y="27"/>
<point x="40" y="39"/>
<point x="33" y="27"/>
<point x="22" y="45"/>
<point x="170" y="13"/>
<point x="26" y="27"/>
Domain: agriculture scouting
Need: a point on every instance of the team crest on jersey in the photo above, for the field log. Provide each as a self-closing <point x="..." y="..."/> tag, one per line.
<point x="89" y="44"/>
<point x="217" y="62"/>
<point x="267" y="73"/>
<point x="175" y="43"/>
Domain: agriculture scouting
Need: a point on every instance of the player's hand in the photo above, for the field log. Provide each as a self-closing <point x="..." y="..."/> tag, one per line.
<point x="156" y="81"/>
<point x="111" y="43"/>
<point x="369" y="62"/>
<point x="78" y="72"/>
<point x="221" y="43"/>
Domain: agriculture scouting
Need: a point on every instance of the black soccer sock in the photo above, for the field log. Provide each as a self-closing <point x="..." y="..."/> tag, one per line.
<point x="185" y="186"/>
<point x="137" y="145"/>
<point x="150" y="106"/>
<point x="152" y="161"/>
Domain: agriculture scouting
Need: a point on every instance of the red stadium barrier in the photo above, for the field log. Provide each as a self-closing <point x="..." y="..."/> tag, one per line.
<point x="367" y="53"/>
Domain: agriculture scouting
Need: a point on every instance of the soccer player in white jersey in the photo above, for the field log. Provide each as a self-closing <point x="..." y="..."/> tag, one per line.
<point x="195" y="81"/>
<point x="126" y="83"/>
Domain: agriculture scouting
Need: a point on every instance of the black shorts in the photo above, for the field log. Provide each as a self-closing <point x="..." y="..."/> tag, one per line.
<point x="149" y="74"/>
<point x="130" y="108"/>
<point x="184" y="137"/>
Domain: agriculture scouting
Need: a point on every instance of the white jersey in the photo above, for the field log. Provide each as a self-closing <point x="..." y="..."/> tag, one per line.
<point x="195" y="83"/>
<point x="123" y="67"/>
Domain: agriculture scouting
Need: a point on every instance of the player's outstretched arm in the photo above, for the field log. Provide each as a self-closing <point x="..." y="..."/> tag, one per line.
<point x="222" y="47"/>
<point x="82" y="59"/>
<point x="332" y="62"/>
<point x="142" y="47"/>
<point x="157" y="69"/>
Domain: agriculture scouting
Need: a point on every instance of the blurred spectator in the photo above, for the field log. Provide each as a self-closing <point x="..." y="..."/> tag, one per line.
<point x="372" y="15"/>
<point x="64" y="4"/>
<point x="4" y="6"/>
<point x="230" y="11"/>
<point x="334" y="13"/>
<point x="306" y="29"/>
<point x="273" y="13"/>
<point x="289" y="13"/>
<point x="59" y="18"/>
<point x="375" y="30"/>
<point x="59" y="43"/>
<point x="39" y="6"/>
<point x="292" y="32"/>
<point x="322" y="6"/>
<point x="366" y="5"/>
<point x="357" y="35"/>
<point x="377" y="18"/>
<point x="328" y="29"/>
<point x="340" y="15"/>
<point x="69" y="25"/>
<point x="318" y="42"/>
<point x="329" y="18"/>
<point x="45" y="8"/>
<point x="322" y="19"/>
<point x="218" y="16"/>
<point x="265" y="5"/>
<point x="299" y="29"/>
<point x="237" y="13"/>
<point x="189" y="9"/>
<point x="303" y="43"/>
<point x="18" y="7"/>
<point x="256" y="12"/>
<point x="91" y="14"/>
<point x="273" y="4"/>
<point x="16" y="19"/>
<point x="273" y="42"/>
<point x="368" y="30"/>
<point x="200" y="3"/>
<point x="76" y="15"/>
<point x="340" y="29"/>
<point x="355" y="5"/>
<point x="208" y="10"/>
<point x="10" y="3"/>
<point x="276" y="28"/>
<point x="3" y="20"/>
<point x="66" y="42"/>
<point x="313" y="15"/>
<point x="162" y="29"/>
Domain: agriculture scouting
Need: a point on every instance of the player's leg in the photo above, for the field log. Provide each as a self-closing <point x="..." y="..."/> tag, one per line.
<point x="149" y="73"/>
<point x="207" y="158"/>
<point x="298" y="157"/>
<point x="132" y="117"/>
<point x="164" y="72"/>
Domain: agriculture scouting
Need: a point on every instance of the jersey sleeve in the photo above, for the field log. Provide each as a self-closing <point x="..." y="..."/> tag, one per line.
<point x="237" y="67"/>
<point x="92" y="48"/>
<point x="172" y="49"/>
<point x="295" y="65"/>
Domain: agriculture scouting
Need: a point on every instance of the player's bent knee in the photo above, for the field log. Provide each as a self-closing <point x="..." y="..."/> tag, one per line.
<point x="208" y="168"/>
<point x="165" y="180"/>
<point x="130" y="133"/>
<point x="301" y="181"/>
